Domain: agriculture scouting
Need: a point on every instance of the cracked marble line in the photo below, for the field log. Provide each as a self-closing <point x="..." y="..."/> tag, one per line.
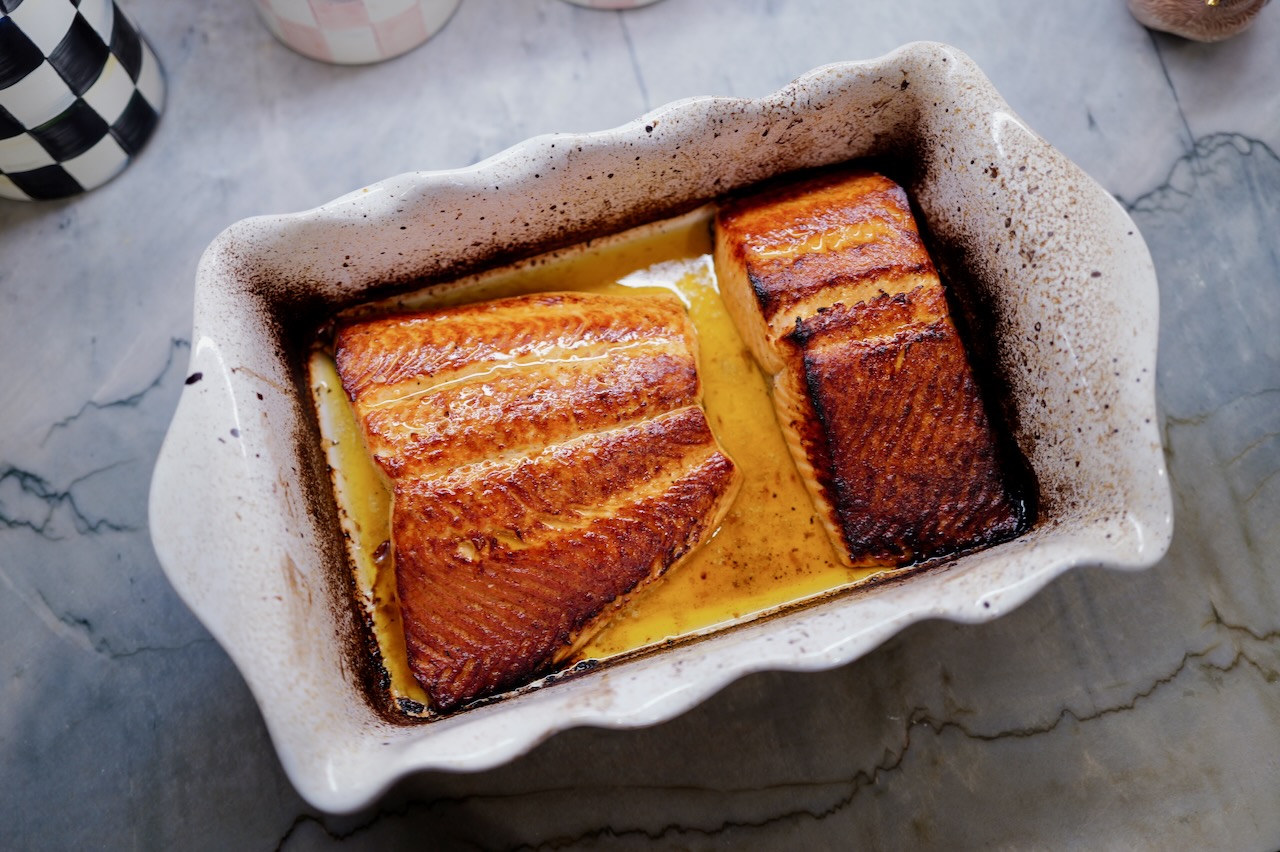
<point x="635" y="62"/>
<point x="129" y="401"/>
<point x="1173" y="90"/>
<point x="1207" y="659"/>
<point x="1237" y="458"/>
<point x="1201" y="151"/>
<point x="78" y="630"/>
<point x="35" y="486"/>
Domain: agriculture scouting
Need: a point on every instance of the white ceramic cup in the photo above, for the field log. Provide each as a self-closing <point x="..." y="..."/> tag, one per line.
<point x="354" y="32"/>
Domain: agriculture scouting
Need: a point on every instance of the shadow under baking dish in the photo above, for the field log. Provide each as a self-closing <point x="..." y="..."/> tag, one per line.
<point x="770" y="553"/>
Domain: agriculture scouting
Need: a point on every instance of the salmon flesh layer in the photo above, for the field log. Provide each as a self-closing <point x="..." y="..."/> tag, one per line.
<point x="832" y="288"/>
<point x="548" y="456"/>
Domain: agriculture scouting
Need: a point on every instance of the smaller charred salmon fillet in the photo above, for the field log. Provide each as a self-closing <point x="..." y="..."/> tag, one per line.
<point x="832" y="288"/>
<point x="549" y="457"/>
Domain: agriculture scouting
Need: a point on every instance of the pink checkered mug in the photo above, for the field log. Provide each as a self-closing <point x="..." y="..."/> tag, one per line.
<point x="354" y="32"/>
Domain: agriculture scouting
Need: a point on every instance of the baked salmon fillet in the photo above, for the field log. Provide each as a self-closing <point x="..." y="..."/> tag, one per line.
<point x="548" y="456"/>
<point x="830" y="285"/>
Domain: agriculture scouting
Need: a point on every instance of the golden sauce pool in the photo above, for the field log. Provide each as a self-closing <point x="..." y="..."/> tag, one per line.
<point x="771" y="549"/>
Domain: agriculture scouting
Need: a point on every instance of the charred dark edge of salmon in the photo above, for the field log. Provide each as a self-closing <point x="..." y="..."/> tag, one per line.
<point x="887" y="272"/>
<point x="787" y="188"/>
<point x="905" y="545"/>
<point x="886" y="315"/>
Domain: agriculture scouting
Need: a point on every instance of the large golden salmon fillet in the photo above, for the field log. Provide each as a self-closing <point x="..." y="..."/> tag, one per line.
<point x="548" y="456"/>
<point x="832" y="288"/>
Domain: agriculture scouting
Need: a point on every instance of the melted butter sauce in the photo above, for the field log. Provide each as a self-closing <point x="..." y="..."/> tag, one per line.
<point x="770" y="551"/>
<point x="364" y="506"/>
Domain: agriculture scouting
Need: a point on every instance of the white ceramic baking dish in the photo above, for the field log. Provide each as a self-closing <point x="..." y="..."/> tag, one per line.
<point x="243" y="515"/>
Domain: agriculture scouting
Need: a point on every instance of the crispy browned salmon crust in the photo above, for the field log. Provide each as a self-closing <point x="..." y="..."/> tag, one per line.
<point x="831" y="285"/>
<point x="548" y="456"/>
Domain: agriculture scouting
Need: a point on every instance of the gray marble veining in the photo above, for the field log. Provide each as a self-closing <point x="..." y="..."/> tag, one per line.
<point x="1113" y="710"/>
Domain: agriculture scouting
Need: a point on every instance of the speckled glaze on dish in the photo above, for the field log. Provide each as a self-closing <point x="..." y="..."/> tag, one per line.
<point x="1044" y="265"/>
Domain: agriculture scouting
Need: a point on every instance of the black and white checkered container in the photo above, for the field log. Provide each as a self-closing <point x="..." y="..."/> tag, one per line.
<point x="80" y="94"/>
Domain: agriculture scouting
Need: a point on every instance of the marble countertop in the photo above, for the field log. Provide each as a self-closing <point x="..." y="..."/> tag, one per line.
<point x="1112" y="710"/>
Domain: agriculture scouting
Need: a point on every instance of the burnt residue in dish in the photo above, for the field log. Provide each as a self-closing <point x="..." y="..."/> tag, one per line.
<point x="977" y="319"/>
<point x="293" y="322"/>
<point x="976" y="314"/>
<point x="356" y="631"/>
